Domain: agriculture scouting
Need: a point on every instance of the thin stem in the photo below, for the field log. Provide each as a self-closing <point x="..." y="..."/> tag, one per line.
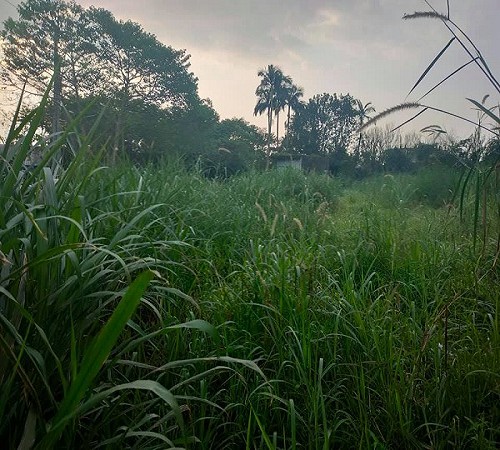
<point x="486" y="71"/>
<point x="462" y="118"/>
<point x="445" y="79"/>
<point x="409" y="120"/>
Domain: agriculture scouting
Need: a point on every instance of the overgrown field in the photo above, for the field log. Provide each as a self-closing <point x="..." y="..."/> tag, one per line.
<point x="284" y="311"/>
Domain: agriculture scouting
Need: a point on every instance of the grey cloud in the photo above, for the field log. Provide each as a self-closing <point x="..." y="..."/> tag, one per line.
<point x="261" y="28"/>
<point x="250" y="27"/>
<point x="358" y="45"/>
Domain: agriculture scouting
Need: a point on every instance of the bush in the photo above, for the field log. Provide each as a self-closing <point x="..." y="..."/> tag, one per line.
<point x="436" y="185"/>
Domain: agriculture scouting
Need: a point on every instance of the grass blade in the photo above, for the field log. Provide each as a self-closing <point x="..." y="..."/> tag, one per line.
<point x="431" y="65"/>
<point x="96" y="355"/>
<point x="485" y="110"/>
<point x="409" y="120"/>
<point x="265" y="436"/>
<point x="144" y="385"/>
<point x="463" y="66"/>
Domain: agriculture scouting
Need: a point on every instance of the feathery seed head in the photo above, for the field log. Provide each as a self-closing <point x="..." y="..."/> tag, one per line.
<point x="426" y="15"/>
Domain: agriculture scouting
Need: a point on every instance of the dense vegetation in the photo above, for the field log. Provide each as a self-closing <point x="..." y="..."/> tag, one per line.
<point x="182" y="297"/>
<point x="286" y="310"/>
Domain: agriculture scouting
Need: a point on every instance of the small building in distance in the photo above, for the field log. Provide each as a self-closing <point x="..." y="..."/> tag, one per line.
<point x="308" y="163"/>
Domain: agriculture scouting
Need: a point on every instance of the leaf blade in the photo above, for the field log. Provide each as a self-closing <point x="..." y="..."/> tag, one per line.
<point x="431" y="65"/>
<point x="97" y="353"/>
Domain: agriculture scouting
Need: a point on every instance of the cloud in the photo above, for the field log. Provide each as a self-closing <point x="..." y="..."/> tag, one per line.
<point x="328" y="18"/>
<point x="357" y="46"/>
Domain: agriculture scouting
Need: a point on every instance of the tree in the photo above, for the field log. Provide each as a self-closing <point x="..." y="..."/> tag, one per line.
<point x="192" y="130"/>
<point x="237" y="135"/>
<point x="136" y="66"/>
<point x="90" y="54"/>
<point x="281" y="89"/>
<point x="294" y="103"/>
<point x="240" y="137"/>
<point x="364" y="112"/>
<point x="373" y="156"/>
<point x="492" y="154"/>
<point x="239" y="147"/>
<point x="272" y="95"/>
<point x="397" y="160"/>
<point x="51" y="39"/>
<point x="265" y="94"/>
<point x="325" y="125"/>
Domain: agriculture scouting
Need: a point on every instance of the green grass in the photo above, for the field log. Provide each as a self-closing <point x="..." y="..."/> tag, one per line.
<point x="285" y="311"/>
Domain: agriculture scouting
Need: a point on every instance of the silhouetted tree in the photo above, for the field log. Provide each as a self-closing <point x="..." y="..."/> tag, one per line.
<point x="239" y="146"/>
<point x="51" y="39"/>
<point x="281" y="89"/>
<point x="325" y="125"/>
<point x="90" y="54"/>
<point x="272" y="94"/>
<point x="294" y="103"/>
<point x="364" y="111"/>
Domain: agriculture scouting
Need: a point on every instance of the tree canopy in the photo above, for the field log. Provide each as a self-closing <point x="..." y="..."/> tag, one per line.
<point x="135" y="65"/>
<point x="89" y="53"/>
<point x="151" y="97"/>
<point x="326" y="125"/>
<point x="50" y="33"/>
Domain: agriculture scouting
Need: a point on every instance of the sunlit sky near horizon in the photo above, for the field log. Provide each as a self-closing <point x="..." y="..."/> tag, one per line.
<point x="361" y="47"/>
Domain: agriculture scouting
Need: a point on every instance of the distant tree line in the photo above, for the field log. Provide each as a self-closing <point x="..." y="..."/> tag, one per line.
<point x="325" y="125"/>
<point x="136" y="94"/>
<point x="139" y="100"/>
<point x="328" y="126"/>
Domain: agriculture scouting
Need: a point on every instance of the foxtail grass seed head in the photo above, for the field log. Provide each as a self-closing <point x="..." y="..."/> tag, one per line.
<point x="261" y="211"/>
<point x="388" y="112"/>
<point x="298" y="223"/>
<point x="426" y="15"/>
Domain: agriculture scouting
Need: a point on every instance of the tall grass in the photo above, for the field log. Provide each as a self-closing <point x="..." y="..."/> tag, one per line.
<point x="360" y="303"/>
<point x="153" y="308"/>
<point x="482" y="176"/>
<point x="73" y="240"/>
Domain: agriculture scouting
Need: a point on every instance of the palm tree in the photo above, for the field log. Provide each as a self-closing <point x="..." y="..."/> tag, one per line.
<point x="282" y="86"/>
<point x="272" y="93"/>
<point x="364" y="112"/>
<point x="266" y="96"/>
<point x="294" y="103"/>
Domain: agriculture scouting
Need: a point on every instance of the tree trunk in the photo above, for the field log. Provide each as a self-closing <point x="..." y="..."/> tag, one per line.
<point x="287" y="136"/>
<point x="269" y="130"/>
<point x="357" y="155"/>
<point x="277" y="127"/>
<point x="57" y="92"/>
<point x="119" y="141"/>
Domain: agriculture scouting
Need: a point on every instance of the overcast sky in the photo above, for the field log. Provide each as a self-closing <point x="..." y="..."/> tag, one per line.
<point x="361" y="47"/>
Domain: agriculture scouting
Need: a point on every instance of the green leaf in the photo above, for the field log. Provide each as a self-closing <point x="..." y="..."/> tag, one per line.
<point x="197" y="324"/>
<point x="35" y="122"/>
<point x="95" y="356"/>
<point x="265" y="436"/>
<point x="29" y="434"/>
<point x="147" y="385"/>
